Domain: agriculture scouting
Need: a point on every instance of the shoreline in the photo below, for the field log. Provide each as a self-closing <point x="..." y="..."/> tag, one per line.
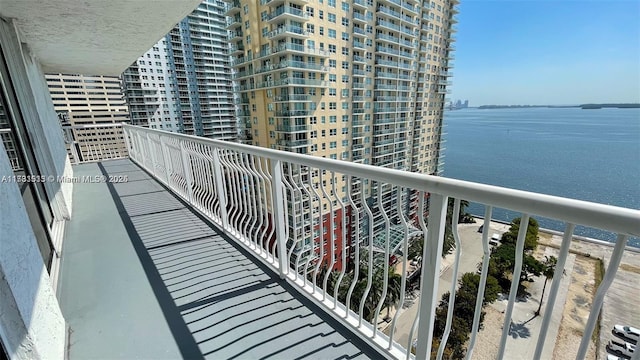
<point x="576" y="238"/>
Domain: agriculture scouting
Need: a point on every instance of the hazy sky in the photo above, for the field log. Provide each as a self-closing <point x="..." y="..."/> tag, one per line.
<point x="547" y="52"/>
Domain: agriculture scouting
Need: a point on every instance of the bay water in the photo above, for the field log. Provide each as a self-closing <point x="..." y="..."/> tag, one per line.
<point x="591" y="155"/>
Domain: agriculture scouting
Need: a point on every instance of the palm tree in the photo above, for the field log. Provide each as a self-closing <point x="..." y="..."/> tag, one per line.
<point x="548" y="270"/>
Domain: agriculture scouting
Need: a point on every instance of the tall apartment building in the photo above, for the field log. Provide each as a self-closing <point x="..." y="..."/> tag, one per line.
<point x="92" y="102"/>
<point x="183" y="83"/>
<point x="361" y="81"/>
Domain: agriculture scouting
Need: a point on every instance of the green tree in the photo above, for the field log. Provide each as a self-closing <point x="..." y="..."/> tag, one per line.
<point x="531" y="239"/>
<point x="549" y="267"/>
<point x="502" y="262"/>
<point x="463" y="313"/>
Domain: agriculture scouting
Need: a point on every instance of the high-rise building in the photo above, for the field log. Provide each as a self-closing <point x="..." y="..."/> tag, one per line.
<point x="361" y="81"/>
<point x="84" y="103"/>
<point x="183" y="83"/>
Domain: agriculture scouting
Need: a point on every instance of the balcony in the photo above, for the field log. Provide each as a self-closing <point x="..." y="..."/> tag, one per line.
<point x="191" y="239"/>
<point x="287" y="31"/>
<point x="287" y="12"/>
<point x="186" y="249"/>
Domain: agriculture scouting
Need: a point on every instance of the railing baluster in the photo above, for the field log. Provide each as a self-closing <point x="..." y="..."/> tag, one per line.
<point x="596" y="305"/>
<point x="343" y="243"/>
<point x="369" y="261"/>
<point x="454" y="279"/>
<point x="405" y="258"/>
<point x="356" y="245"/>
<point x="320" y="232"/>
<point x="332" y="238"/>
<point x="385" y="279"/>
<point x="186" y="167"/>
<point x="555" y="286"/>
<point x="431" y="257"/>
<point x="278" y="210"/>
<point x="515" y="282"/>
<point x="483" y="280"/>
<point x="165" y="159"/>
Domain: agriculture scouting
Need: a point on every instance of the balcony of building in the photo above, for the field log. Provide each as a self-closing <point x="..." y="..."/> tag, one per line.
<point x="287" y="13"/>
<point x="177" y="246"/>
<point x="287" y="31"/>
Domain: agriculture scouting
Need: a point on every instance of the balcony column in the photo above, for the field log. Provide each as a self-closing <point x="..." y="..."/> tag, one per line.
<point x="431" y="258"/>
<point x="279" y="215"/>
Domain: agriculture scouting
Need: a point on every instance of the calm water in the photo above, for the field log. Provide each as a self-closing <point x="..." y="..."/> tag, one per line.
<point x="589" y="155"/>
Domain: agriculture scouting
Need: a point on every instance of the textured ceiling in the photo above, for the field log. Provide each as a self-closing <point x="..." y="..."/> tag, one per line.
<point x="100" y="37"/>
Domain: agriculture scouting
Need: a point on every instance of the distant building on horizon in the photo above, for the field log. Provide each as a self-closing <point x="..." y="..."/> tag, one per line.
<point x="457" y="105"/>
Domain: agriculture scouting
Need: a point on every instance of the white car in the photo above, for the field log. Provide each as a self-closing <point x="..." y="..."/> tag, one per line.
<point x="627" y="331"/>
<point x="613" y="357"/>
<point x="621" y="347"/>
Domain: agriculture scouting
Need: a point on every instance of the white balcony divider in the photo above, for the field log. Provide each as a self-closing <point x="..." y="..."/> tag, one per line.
<point x="90" y="143"/>
<point x="280" y="204"/>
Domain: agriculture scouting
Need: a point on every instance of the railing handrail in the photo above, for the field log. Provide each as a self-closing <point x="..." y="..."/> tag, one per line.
<point x="93" y="126"/>
<point x="607" y="217"/>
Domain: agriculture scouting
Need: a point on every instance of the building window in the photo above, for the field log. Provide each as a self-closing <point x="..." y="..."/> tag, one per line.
<point x="332" y="18"/>
<point x="332" y="33"/>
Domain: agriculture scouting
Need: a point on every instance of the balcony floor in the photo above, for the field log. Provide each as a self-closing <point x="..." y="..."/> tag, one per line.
<point x="144" y="276"/>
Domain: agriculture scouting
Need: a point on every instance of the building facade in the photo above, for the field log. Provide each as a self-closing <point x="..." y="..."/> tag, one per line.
<point x="361" y="81"/>
<point x="86" y="105"/>
<point x="183" y="83"/>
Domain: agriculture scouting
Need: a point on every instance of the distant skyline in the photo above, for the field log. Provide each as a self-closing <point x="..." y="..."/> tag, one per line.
<point x="560" y="52"/>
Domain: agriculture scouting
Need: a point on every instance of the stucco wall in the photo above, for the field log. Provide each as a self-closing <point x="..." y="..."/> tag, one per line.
<point x="31" y="323"/>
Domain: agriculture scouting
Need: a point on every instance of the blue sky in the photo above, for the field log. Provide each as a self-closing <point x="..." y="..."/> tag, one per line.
<point x="547" y="52"/>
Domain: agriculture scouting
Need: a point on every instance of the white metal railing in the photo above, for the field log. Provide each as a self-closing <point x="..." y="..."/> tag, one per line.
<point x="10" y="146"/>
<point x="88" y="143"/>
<point x="279" y="205"/>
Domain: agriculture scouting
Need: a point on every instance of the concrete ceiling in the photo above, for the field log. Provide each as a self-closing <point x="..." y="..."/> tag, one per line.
<point x="97" y="37"/>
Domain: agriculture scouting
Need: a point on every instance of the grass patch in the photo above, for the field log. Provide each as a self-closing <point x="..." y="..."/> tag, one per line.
<point x="598" y="274"/>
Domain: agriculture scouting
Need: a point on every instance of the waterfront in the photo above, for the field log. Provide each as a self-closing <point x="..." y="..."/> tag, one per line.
<point x="591" y="155"/>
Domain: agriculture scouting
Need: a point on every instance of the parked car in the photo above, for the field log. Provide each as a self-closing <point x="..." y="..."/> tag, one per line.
<point x="620" y="347"/>
<point x="614" y="357"/>
<point x="628" y="332"/>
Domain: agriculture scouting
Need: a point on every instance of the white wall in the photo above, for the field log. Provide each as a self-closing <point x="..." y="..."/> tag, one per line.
<point x="39" y="116"/>
<point x="31" y="323"/>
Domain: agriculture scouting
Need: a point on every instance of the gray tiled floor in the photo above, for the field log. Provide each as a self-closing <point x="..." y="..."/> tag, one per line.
<point x="143" y="276"/>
